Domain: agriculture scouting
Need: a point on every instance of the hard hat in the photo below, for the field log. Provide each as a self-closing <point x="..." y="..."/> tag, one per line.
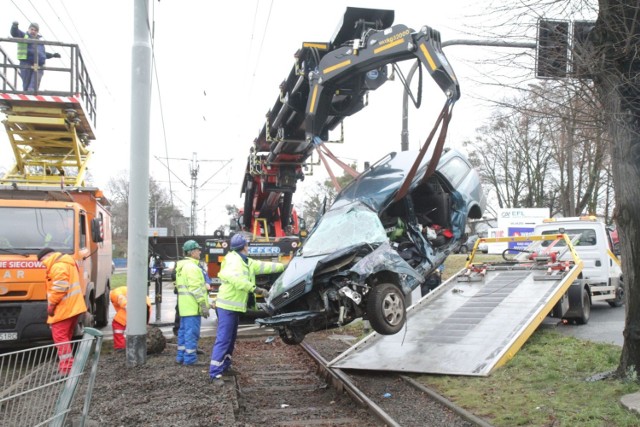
<point x="190" y="245"/>
<point x="238" y="242"/>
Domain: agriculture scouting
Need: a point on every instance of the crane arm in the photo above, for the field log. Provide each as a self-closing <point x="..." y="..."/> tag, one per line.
<point x="328" y="82"/>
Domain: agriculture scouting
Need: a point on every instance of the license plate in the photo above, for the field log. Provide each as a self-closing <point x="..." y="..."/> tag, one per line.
<point x="216" y="251"/>
<point x="8" y="336"/>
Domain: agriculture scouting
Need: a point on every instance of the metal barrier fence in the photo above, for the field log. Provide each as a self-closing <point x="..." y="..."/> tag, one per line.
<point x="33" y="393"/>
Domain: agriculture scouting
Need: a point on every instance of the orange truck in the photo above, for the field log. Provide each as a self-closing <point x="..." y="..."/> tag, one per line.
<point x="72" y="221"/>
<point x="44" y="199"/>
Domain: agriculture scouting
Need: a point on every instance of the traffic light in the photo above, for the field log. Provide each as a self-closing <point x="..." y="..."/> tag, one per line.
<point x="581" y="49"/>
<point x="552" y="49"/>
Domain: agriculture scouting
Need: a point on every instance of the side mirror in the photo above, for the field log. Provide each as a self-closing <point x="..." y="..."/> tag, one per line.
<point x="97" y="230"/>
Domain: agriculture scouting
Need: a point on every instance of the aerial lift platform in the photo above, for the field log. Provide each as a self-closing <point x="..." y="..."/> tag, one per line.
<point x="49" y="130"/>
<point x="478" y="319"/>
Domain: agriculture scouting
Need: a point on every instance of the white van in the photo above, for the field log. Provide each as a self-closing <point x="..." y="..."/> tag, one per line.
<point x="601" y="277"/>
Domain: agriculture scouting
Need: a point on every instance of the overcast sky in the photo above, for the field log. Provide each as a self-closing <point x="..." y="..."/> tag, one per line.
<point x="219" y="65"/>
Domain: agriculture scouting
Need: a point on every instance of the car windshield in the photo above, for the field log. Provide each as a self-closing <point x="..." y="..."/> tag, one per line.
<point x="347" y="226"/>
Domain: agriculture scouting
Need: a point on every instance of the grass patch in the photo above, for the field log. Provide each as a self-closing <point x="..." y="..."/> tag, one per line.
<point x="118" y="280"/>
<point x="456" y="262"/>
<point x="544" y="385"/>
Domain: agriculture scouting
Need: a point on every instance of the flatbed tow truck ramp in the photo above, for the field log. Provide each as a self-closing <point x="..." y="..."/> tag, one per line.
<point x="478" y="319"/>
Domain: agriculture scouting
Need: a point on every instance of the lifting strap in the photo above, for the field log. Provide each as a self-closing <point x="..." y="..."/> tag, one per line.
<point x="445" y="118"/>
<point x="348" y="169"/>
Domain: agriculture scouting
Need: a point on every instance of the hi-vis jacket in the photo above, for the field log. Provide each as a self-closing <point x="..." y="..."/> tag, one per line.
<point x="63" y="287"/>
<point x="192" y="291"/>
<point x="239" y="278"/>
<point x="118" y="298"/>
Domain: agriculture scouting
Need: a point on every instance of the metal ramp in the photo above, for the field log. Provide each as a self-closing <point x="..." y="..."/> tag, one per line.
<point x="472" y="323"/>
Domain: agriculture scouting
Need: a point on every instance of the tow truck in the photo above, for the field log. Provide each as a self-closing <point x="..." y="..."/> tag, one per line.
<point x="478" y="319"/>
<point x="44" y="198"/>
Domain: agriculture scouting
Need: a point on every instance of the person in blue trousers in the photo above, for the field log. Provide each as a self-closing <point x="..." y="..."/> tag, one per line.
<point x="193" y="303"/>
<point x="238" y="277"/>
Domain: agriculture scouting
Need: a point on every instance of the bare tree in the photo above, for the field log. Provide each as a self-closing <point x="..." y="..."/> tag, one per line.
<point x="513" y="157"/>
<point x="162" y="213"/>
<point x="611" y="59"/>
<point x="616" y="72"/>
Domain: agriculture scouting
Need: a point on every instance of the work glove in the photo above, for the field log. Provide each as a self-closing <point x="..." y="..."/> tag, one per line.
<point x="204" y="310"/>
<point x="55" y="55"/>
<point x="262" y="292"/>
<point x="51" y="310"/>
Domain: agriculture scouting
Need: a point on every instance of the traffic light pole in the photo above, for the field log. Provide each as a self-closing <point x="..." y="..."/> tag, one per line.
<point x="404" y="136"/>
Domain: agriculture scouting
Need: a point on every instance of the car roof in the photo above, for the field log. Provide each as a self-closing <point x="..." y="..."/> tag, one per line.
<point x="378" y="185"/>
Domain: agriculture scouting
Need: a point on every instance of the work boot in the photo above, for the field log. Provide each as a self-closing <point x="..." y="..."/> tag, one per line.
<point x="217" y="381"/>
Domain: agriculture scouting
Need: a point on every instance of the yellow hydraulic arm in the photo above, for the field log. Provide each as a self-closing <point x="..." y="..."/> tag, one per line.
<point x="49" y="142"/>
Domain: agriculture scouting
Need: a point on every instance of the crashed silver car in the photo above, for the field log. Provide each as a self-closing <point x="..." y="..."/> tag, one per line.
<point x="378" y="242"/>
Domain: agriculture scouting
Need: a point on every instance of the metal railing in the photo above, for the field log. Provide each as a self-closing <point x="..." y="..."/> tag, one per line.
<point x="71" y="80"/>
<point x="33" y="393"/>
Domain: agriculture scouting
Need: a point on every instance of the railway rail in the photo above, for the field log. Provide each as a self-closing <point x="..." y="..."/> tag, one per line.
<point x="286" y="385"/>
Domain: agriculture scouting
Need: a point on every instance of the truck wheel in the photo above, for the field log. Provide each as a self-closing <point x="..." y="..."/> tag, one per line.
<point x="102" y="309"/>
<point x="579" y="305"/>
<point x="291" y="336"/>
<point x="618" y="301"/>
<point x="386" y="309"/>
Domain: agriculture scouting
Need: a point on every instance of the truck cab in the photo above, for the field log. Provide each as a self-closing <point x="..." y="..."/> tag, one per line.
<point x="73" y="222"/>
<point x="601" y="278"/>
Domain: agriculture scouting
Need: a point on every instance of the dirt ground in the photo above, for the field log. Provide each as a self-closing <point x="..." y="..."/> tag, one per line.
<point x="162" y="392"/>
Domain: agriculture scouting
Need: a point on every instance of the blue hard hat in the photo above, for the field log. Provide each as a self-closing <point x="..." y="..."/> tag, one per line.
<point x="238" y="242"/>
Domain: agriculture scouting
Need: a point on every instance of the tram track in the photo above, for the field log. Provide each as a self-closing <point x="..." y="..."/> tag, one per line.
<point x="287" y="385"/>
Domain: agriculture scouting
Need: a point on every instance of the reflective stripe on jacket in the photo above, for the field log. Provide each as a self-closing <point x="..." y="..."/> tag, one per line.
<point x="63" y="287"/>
<point x="118" y="298"/>
<point x="192" y="291"/>
<point x="239" y="278"/>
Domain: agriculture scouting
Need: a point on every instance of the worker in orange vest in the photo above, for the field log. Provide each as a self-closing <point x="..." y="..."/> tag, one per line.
<point x="65" y="302"/>
<point x="119" y="323"/>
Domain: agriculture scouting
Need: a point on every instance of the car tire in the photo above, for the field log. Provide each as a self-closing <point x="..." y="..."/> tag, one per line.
<point x="463" y="249"/>
<point x="291" y="336"/>
<point x="386" y="309"/>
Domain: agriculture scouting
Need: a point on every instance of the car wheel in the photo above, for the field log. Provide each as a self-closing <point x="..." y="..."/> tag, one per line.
<point x="385" y="309"/>
<point x="463" y="249"/>
<point x="291" y="336"/>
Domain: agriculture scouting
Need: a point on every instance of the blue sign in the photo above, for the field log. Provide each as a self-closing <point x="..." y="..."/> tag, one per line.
<point x="519" y="231"/>
<point x="264" y="250"/>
